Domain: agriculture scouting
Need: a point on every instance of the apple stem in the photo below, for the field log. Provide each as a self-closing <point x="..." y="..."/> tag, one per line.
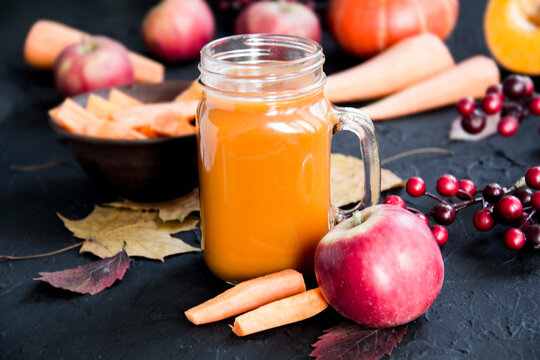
<point x="357" y="218"/>
<point x="87" y="45"/>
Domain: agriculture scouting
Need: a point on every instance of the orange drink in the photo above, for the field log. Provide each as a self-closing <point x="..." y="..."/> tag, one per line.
<point x="264" y="132"/>
<point x="264" y="180"/>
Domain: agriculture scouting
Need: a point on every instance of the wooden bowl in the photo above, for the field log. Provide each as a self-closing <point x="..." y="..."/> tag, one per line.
<point x="139" y="170"/>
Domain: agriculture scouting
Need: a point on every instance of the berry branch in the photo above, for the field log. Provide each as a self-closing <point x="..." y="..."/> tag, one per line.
<point x="517" y="206"/>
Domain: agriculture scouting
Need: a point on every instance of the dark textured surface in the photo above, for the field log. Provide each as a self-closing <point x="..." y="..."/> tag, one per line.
<point x="488" y="308"/>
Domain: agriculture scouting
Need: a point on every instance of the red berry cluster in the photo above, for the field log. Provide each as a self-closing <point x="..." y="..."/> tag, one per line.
<point x="514" y="99"/>
<point x="517" y="206"/>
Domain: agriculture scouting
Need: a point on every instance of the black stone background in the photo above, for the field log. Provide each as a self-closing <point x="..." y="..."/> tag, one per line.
<point x="488" y="307"/>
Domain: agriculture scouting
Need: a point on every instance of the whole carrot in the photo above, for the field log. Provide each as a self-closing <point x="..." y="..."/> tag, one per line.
<point x="468" y="78"/>
<point x="402" y="65"/>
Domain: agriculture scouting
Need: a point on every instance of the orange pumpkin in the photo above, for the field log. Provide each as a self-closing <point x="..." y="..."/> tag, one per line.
<point x="366" y="27"/>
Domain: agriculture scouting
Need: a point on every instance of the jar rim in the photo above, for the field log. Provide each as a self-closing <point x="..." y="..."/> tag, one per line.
<point x="262" y="66"/>
<point x="313" y="48"/>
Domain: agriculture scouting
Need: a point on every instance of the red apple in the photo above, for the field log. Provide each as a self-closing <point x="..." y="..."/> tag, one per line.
<point x="94" y="63"/>
<point x="279" y="17"/>
<point x="380" y="268"/>
<point x="178" y="29"/>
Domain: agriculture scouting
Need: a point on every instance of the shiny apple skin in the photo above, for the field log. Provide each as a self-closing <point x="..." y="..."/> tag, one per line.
<point x="279" y="17"/>
<point x="384" y="272"/>
<point x="176" y="30"/>
<point x="94" y="63"/>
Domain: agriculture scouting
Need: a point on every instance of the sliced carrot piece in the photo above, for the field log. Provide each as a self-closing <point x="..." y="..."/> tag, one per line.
<point x="100" y="107"/>
<point x="193" y="92"/>
<point x="78" y="120"/>
<point x="54" y="114"/>
<point x="122" y="99"/>
<point x="144" y="115"/>
<point x="82" y="112"/>
<point x="148" y="132"/>
<point x="248" y="295"/>
<point x="74" y="117"/>
<point x="111" y="130"/>
<point x="169" y="124"/>
<point x="71" y="120"/>
<point x="281" y="312"/>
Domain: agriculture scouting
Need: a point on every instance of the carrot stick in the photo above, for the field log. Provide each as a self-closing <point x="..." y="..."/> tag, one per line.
<point x="148" y="132"/>
<point x="143" y="115"/>
<point x="74" y="117"/>
<point x="54" y="114"/>
<point x="248" y="295"/>
<point x="146" y="70"/>
<point x="100" y="107"/>
<point x="78" y="120"/>
<point x="193" y="92"/>
<point x="405" y="63"/>
<point x="69" y="120"/>
<point x="123" y="100"/>
<point x="469" y="78"/>
<point x="170" y="124"/>
<point x="46" y="40"/>
<point x="281" y="312"/>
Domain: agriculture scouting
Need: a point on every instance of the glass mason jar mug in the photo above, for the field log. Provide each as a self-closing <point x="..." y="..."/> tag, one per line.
<point x="264" y="132"/>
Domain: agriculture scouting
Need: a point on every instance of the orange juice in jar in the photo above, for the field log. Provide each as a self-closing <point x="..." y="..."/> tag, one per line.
<point x="264" y="132"/>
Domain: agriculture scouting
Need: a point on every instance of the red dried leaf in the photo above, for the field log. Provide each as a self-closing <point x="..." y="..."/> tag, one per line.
<point x="354" y="342"/>
<point x="90" y="278"/>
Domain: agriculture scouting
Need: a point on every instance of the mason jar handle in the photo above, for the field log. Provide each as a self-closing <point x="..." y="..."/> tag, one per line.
<point x="360" y="124"/>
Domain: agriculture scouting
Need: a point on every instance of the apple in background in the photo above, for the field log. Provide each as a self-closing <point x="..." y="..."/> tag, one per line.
<point x="94" y="63"/>
<point x="381" y="268"/>
<point x="178" y="29"/>
<point x="279" y="17"/>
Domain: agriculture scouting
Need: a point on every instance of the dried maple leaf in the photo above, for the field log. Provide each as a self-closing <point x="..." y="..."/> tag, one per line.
<point x="458" y="134"/>
<point x="91" y="278"/>
<point x="144" y="233"/>
<point x="347" y="179"/>
<point x="177" y="209"/>
<point x="354" y="342"/>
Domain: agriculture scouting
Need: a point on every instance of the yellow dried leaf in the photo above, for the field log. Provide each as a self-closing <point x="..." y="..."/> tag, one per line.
<point x="347" y="179"/>
<point x="177" y="209"/>
<point x="144" y="233"/>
